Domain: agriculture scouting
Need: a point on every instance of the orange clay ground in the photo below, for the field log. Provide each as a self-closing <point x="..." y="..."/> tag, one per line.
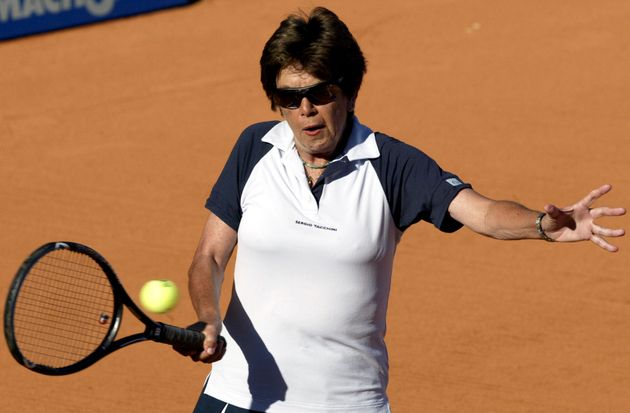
<point x="113" y="134"/>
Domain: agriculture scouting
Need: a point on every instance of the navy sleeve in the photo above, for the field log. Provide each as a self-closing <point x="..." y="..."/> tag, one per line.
<point x="415" y="185"/>
<point x="225" y="198"/>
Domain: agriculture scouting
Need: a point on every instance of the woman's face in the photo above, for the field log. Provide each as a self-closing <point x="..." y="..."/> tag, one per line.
<point x="317" y="128"/>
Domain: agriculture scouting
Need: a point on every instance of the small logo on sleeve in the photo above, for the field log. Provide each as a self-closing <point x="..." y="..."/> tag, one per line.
<point x="454" y="181"/>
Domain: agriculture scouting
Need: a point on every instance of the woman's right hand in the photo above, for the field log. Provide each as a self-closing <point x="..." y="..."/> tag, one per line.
<point x="214" y="346"/>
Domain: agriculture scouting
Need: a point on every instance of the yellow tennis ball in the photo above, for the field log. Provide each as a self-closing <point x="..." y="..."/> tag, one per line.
<point x="159" y="296"/>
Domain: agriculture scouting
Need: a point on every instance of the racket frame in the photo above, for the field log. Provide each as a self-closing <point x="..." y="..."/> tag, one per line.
<point x="154" y="331"/>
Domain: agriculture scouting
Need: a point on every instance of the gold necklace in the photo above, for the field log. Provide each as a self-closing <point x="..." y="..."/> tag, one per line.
<point x="313" y="166"/>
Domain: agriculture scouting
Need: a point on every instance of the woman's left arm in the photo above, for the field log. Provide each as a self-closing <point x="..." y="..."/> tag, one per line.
<point x="509" y="220"/>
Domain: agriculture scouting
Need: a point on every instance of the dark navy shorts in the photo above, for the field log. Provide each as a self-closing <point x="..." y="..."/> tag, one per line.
<point x="208" y="404"/>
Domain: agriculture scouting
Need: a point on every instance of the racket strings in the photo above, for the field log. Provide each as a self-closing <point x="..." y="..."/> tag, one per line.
<point x="64" y="310"/>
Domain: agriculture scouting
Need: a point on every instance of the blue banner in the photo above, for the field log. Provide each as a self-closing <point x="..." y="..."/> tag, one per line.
<point x="24" y="17"/>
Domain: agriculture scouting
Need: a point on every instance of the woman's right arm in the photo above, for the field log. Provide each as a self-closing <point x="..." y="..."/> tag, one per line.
<point x="205" y="278"/>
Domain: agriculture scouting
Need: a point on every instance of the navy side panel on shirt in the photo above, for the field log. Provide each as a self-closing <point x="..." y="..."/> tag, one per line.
<point x="225" y="198"/>
<point x="415" y="186"/>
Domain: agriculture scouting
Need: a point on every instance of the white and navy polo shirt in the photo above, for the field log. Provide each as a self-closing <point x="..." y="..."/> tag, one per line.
<point x="306" y="322"/>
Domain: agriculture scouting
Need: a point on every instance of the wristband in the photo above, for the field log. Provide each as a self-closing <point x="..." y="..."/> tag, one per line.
<point x="541" y="231"/>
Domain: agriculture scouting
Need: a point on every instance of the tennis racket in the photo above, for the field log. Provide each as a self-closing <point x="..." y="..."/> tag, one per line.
<point x="65" y="307"/>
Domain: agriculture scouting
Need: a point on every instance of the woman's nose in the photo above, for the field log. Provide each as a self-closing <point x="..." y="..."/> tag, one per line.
<point x="307" y="108"/>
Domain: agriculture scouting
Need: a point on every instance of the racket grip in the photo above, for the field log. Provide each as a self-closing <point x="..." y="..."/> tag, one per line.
<point x="181" y="337"/>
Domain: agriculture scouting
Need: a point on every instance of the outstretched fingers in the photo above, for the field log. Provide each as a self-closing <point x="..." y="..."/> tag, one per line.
<point x="603" y="243"/>
<point x="607" y="232"/>
<point x="607" y="212"/>
<point x="599" y="231"/>
<point x="595" y="194"/>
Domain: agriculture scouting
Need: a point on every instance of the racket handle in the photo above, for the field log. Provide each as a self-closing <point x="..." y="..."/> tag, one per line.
<point x="181" y="337"/>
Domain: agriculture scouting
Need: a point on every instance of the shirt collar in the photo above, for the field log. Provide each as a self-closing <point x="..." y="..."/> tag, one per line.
<point x="361" y="143"/>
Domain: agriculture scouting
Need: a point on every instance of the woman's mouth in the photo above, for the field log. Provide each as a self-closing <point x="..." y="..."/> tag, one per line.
<point x="313" y="130"/>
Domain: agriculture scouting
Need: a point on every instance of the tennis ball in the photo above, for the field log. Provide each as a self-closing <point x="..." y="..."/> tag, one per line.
<point x="159" y="296"/>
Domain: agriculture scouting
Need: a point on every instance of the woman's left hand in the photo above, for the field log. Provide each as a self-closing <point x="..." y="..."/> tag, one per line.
<point x="577" y="222"/>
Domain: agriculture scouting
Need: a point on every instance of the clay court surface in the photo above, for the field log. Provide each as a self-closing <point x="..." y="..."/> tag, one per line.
<point x="112" y="135"/>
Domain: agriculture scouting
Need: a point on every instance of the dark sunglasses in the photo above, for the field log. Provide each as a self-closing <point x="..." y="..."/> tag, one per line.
<point x="318" y="94"/>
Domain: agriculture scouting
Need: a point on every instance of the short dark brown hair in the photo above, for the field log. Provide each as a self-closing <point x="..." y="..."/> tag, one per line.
<point x="318" y="43"/>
